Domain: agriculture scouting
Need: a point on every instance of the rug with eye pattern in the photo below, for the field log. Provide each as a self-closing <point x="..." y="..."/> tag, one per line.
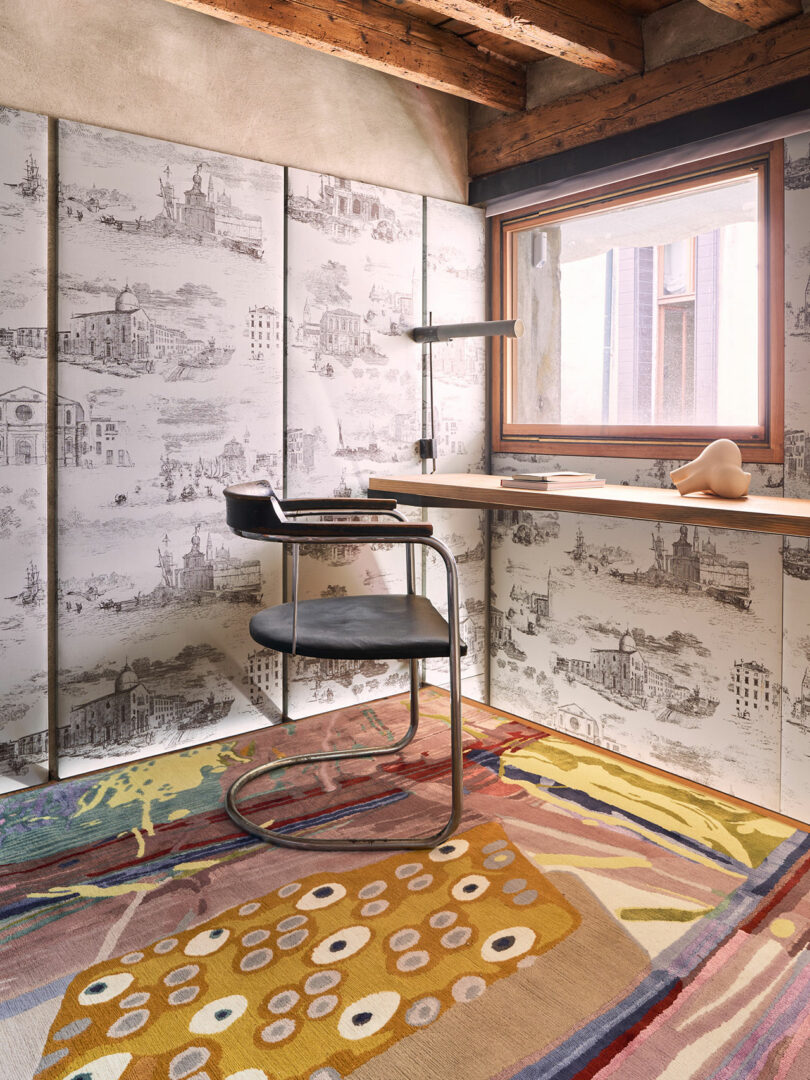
<point x="318" y="977"/>
<point x="632" y="926"/>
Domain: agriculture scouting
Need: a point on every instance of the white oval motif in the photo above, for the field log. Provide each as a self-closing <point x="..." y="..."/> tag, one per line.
<point x="341" y="944"/>
<point x="217" y="1015"/>
<point x="321" y="896"/>
<point x="368" y="1015"/>
<point x="105" y="988"/>
<point x="507" y="944"/>
<point x="207" y="942"/>
<point x="470" y="887"/>
<point x="453" y="849"/>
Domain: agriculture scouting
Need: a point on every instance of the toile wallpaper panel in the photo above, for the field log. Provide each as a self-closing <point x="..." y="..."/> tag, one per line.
<point x="170" y="387"/>
<point x="455" y="264"/>
<point x="23" y="433"/>
<point x="796" y="552"/>
<point x="354" y="394"/>
<point x="601" y="629"/>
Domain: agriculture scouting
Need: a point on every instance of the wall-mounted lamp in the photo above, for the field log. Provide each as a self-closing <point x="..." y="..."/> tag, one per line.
<point x="428" y="334"/>
<point x="494" y="328"/>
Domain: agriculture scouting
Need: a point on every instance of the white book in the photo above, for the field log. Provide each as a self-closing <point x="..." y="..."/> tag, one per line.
<point x="545" y="485"/>
<point x="554" y="477"/>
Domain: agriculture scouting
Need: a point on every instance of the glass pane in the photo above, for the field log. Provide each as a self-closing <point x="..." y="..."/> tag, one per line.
<point x="644" y="314"/>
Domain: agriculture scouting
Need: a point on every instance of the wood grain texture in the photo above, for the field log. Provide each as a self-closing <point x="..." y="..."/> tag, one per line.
<point x="376" y="36"/>
<point x="757" y="13"/>
<point x="589" y="33"/>
<point x="756" y="513"/>
<point x="719" y="75"/>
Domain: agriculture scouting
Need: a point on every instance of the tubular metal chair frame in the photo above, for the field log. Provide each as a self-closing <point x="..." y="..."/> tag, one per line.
<point x="365" y="534"/>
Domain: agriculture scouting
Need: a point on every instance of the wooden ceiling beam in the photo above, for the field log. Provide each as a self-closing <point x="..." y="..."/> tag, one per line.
<point x="757" y="13"/>
<point x="370" y="33"/>
<point x="591" y="33"/>
<point x="710" y="78"/>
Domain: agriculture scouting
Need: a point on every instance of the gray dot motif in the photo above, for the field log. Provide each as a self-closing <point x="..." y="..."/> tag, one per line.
<point x="412" y="961"/>
<point x="283" y="1002"/>
<point x="368" y="892"/>
<point x="496" y="845"/>
<point x="322" y="1006"/>
<point x="456" y="937"/>
<point x="128" y="1023"/>
<point x="183" y="996"/>
<point x="278" y="1031"/>
<point x="291" y="940"/>
<point x="424" y="881"/>
<point x="181" y="975"/>
<point x="255" y="937"/>
<point x="75" y="1027"/>
<point x="499" y="859"/>
<point x="191" y="1059"/>
<point x="423" y="1012"/>
<point x="51" y="1059"/>
<point x="322" y="980"/>
<point x="134" y="1001"/>
<point x="292" y="922"/>
<point x="442" y="919"/>
<point x="259" y="958"/>
<point x="403" y="939"/>
<point x="528" y="896"/>
<point x="514" y="885"/>
<point x="408" y="870"/>
<point x="468" y="988"/>
<point x="375" y="907"/>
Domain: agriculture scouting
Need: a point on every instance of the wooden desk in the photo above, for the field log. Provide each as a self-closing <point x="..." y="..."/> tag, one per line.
<point x="756" y="513"/>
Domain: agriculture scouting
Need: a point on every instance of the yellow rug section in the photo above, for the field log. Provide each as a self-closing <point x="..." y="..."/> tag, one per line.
<point x="318" y="977"/>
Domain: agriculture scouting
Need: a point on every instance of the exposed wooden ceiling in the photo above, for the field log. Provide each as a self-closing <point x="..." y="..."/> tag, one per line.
<point x="480" y="50"/>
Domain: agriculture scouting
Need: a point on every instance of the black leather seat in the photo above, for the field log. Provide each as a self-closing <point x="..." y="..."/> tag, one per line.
<point x="387" y="627"/>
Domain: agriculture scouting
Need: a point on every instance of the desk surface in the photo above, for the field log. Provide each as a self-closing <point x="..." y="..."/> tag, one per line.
<point x="756" y="513"/>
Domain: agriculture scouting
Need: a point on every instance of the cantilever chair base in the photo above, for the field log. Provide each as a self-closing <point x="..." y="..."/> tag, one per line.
<point x="274" y="836"/>
<point x="386" y="627"/>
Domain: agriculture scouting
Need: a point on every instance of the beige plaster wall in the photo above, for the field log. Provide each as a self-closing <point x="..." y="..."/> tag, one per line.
<point x="155" y="69"/>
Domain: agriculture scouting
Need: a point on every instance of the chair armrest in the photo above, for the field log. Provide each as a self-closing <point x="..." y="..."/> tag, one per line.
<point x="339" y="506"/>
<point x="349" y="531"/>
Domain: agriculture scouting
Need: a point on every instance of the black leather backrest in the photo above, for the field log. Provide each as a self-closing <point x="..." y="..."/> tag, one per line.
<point x="253" y="507"/>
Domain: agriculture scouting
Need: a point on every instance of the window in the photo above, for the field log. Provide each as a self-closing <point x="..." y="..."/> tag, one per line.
<point x="653" y="312"/>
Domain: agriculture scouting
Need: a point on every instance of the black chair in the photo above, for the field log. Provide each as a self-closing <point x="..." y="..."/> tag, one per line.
<point x="373" y="627"/>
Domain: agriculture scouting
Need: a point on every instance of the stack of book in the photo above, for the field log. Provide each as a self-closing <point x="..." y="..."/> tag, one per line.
<point x="552" y="481"/>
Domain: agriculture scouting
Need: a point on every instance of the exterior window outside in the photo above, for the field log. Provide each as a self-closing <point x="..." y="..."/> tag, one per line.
<point x="646" y="313"/>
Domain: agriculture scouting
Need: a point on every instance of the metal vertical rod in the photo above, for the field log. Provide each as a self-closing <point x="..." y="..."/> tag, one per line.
<point x="294" y="597"/>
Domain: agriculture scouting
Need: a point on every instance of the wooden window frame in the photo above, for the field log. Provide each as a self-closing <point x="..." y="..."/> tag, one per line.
<point x="763" y="443"/>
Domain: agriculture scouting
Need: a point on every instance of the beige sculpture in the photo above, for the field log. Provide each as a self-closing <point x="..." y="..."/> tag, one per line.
<point x="718" y="469"/>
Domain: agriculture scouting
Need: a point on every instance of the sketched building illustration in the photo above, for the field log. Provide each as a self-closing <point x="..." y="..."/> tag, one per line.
<point x="124" y="333"/>
<point x="263" y="670"/>
<point x="81" y="439"/>
<point x="213" y="572"/>
<point x="755" y="693"/>
<point x="342" y="211"/>
<point x="210" y="214"/>
<point x="624" y="672"/>
<point x="264" y="327"/>
<point x="123" y="715"/>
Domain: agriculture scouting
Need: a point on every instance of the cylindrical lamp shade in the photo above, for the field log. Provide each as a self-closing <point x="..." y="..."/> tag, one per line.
<point x="496" y="328"/>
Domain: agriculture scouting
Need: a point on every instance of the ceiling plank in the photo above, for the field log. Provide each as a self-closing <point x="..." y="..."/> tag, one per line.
<point x="757" y="13"/>
<point x="590" y="33"/>
<point x="731" y="71"/>
<point x="369" y="33"/>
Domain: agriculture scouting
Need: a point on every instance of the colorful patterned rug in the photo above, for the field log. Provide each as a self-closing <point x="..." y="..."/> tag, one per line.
<point x="590" y="919"/>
